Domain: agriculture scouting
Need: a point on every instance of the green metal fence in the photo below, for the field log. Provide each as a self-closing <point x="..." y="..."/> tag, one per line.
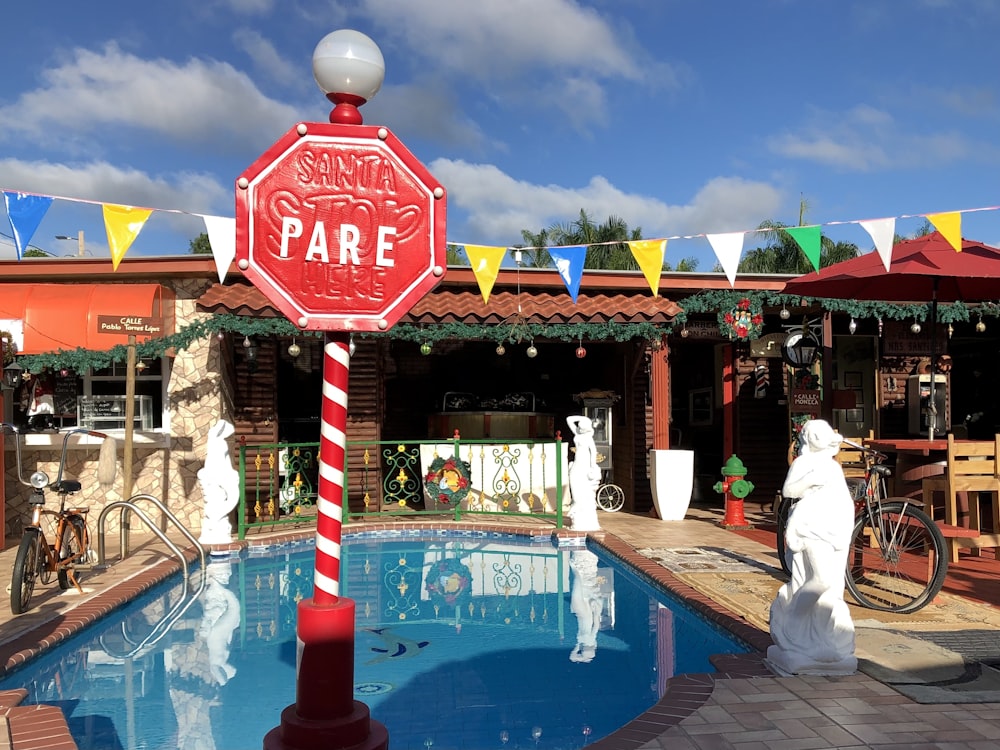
<point x="455" y="477"/>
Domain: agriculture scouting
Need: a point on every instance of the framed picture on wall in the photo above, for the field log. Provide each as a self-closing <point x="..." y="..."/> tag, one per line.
<point x="700" y="407"/>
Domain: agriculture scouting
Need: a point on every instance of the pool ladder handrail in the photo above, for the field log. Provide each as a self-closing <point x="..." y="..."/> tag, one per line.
<point x="184" y="603"/>
<point x="129" y="506"/>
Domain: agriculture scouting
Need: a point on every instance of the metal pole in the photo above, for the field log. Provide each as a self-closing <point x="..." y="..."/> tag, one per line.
<point x="81" y="248"/>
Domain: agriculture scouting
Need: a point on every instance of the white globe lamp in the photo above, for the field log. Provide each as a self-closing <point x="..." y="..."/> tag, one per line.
<point x="349" y="68"/>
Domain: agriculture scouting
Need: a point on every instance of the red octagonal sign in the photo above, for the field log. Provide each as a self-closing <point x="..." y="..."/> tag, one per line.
<point x="340" y="227"/>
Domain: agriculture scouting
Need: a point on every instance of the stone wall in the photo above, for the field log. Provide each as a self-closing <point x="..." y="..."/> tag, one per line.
<point x="168" y="472"/>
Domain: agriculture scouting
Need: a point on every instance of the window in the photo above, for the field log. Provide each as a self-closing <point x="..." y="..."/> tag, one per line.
<point x="150" y="385"/>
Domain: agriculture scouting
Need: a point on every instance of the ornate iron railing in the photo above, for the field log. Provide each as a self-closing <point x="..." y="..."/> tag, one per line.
<point x="417" y="477"/>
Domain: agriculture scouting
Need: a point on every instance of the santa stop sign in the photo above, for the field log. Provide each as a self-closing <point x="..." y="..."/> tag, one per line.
<point x="340" y="227"/>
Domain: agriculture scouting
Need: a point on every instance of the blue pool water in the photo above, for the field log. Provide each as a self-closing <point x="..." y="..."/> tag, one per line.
<point x="461" y="642"/>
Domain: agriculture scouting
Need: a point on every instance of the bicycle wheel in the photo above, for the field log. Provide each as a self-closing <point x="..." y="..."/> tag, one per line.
<point x="26" y="567"/>
<point x="71" y="548"/>
<point x="781" y="524"/>
<point x="610" y="497"/>
<point x="897" y="559"/>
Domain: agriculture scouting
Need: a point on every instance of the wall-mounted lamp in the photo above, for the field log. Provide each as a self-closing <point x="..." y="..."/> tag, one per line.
<point x="12" y="375"/>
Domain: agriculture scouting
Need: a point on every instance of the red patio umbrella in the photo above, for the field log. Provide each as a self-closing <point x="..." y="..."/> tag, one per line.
<point x="925" y="269"/>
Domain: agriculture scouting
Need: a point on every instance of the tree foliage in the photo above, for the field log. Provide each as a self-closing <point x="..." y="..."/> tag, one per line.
<point x="200" y="245"/>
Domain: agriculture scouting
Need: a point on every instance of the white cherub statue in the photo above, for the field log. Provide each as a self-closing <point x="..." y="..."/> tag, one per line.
<point x="586" y="604"/>
<point x="221" y="616"/>
<point x="220" y="486"/>
<point x="584" y="475"/>
<point x="810" y="622"/>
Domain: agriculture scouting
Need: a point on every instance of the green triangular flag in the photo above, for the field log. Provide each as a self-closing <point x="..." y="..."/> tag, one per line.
<point x="808" y="238"/>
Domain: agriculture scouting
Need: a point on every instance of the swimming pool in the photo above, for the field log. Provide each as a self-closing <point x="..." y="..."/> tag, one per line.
<point x="463" y="641"/>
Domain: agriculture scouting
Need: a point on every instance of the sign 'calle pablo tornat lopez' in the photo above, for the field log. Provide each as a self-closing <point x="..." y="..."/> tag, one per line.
<point x="129" y="324"/>
<point x="340" y="227"/>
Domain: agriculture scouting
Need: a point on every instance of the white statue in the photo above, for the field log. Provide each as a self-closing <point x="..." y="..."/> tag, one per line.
<point x="585" y="602"/>
<point x="810" y="622"/>
<point x="220" y="486"/>
<point x="584" y="476"/>
<point x="221" y="616"/>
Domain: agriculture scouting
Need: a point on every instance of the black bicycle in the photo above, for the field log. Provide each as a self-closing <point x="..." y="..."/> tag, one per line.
<point x="898" y="557"/>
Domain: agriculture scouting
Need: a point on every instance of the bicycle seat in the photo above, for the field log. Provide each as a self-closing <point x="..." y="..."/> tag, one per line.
<point x="67" y="486"/>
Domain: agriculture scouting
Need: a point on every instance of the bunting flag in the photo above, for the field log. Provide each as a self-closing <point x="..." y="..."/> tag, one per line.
<point x="728" y="248"/>
<point x="123" y="224"/>
<point x="222" y="239"/>
<point x="24" y="212"/>
<point x="808" y="239"/>
<point x="883" y="234"/>
<point x="485" y="261"/>
<point x="950" y="226"/>
<point x="649" y="255"/>
<point x="569" y="261"/>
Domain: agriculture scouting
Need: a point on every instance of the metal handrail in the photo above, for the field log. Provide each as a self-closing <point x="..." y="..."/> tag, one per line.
<point x="130" y="506"/>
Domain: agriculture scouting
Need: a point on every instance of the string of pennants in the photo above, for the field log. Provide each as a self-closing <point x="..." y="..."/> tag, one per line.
<point x="123" y="224"/>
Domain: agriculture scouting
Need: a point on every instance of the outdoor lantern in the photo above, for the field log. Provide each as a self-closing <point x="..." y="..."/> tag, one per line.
<point x="12" y="374"/>
<point x="800" y="348"/>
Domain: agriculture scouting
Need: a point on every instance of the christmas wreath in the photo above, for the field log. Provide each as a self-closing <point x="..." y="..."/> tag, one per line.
<point x="743" y="322"/>
<point x="448" y="581"/>
<point x="447" y="480"/>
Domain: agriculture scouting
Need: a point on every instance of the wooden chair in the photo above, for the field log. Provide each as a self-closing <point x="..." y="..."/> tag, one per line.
<point x="971" y="467"/>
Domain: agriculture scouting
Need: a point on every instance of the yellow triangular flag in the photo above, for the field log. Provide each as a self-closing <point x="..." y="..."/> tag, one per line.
<point x="649" y="255"/>
<point x="485" y="262"/>
<point x="950" y="226"/>
<point x="123" y="224"/>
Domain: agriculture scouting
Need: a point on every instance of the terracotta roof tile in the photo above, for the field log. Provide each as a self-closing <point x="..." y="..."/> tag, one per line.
<point x="448" y="304"/>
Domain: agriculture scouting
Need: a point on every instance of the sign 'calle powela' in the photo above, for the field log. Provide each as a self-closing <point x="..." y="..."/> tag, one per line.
<point x="340" y="227"/>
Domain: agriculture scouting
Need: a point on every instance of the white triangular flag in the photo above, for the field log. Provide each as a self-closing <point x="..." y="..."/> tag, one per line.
<point x="728" y="248"/>
<point x="883" y="232"/>
<point x="222" y="237"/>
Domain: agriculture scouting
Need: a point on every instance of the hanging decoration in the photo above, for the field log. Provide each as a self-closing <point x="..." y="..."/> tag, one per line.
<point x="743" y="322"/>
<point x="447" y="481"/>
<point x="448" y="581"/>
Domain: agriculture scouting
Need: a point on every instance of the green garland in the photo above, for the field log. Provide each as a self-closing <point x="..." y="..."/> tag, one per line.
<point x="709" y="301"/>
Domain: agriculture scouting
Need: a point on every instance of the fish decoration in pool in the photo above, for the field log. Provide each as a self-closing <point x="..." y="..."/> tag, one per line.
<point x="396" y="647"/>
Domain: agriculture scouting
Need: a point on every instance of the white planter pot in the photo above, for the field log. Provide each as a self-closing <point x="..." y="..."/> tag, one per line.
<point x="672" y="479"/>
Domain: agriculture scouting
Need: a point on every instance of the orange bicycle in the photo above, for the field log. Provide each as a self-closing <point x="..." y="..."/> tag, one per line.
<point x="37" y="557"/>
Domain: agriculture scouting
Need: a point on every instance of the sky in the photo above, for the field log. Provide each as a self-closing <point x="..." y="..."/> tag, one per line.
<point x="679" y="116"/>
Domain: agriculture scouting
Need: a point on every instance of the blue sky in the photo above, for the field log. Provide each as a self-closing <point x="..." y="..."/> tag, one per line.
<point x="680" y="116"/>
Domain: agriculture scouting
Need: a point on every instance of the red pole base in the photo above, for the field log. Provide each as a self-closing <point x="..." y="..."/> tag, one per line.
<point x="734" y="518"/>
<point x="356" y="731"/>
<point x="325" y="715"/>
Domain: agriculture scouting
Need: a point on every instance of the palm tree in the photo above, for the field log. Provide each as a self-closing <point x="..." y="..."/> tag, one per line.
<point x="607" y="244"/>
<point x="782" y="253"/>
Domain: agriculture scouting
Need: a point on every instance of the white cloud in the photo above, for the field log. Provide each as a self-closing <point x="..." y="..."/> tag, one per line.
<point x="102" y="182"/>
<point x="499" y="206"/>
<point x="487" y="39"/>
<point x="867" y="139"/>
<point x="198" y="103"/>
<point x="266" y="58"/>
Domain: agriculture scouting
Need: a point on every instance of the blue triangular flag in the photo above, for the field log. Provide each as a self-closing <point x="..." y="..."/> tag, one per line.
<point x="25" y="212"/>
<point x="569" y="263"/>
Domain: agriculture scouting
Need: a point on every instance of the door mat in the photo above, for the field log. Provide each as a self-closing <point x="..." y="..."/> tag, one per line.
<point x="702" y="560"/>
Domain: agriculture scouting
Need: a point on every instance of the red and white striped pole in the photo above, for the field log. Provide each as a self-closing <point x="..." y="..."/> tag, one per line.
<point x="325" y="715"/>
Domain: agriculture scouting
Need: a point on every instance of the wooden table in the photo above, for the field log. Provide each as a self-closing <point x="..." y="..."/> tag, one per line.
<point x="916" y="459"/>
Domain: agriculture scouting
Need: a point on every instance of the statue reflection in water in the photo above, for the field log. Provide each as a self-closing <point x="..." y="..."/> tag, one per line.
<point x="586" y="602"/>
